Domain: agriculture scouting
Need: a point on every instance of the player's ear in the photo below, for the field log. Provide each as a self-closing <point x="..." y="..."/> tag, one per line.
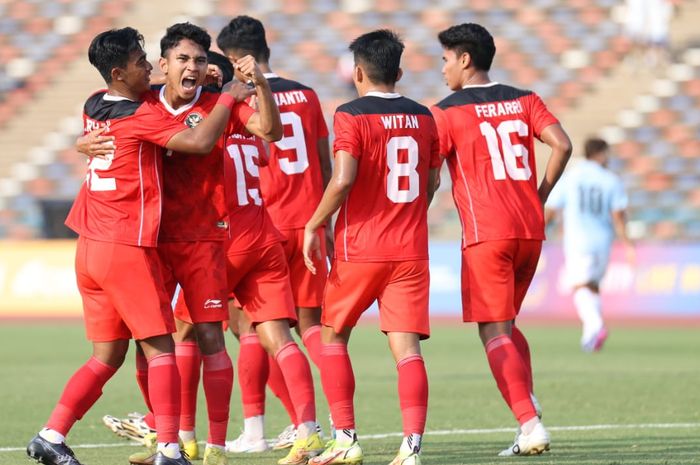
<point x="465" y="60"/>
<point x="117" y="74"/>
<point x="358" y="74"/>
<point x="163" y="64"/>
<point x="399" y="75"/>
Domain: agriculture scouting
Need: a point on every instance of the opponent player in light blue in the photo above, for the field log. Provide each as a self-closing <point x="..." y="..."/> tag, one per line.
<point x="593" y="202"/>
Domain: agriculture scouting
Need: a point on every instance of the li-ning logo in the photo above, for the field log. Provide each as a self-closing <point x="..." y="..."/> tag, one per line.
<point x="213" y="303"/>
<point x="193" y="119"/>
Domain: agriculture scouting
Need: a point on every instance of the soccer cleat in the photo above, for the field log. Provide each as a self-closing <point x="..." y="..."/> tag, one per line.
<point x="214" y="456"/>
<point x="161" y="459"/>
<point x="133" y="427"/>
<point x="595" y="343"/>
<point x="529" y="444"/>
<point x="49" y="453"/>
<point x="191" y="448"/>
<point x="148" y="456"/>
<point x="242" y="445"/>
<point x="286" y="438"/>
<point x="303" y="450"/>
<point x="334" y="453"/>
<point x="401" y="459"/>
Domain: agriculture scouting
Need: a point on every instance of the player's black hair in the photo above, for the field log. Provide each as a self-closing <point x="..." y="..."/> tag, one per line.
<point x="111" y="49"/>
<point x="594" y="146"/>
<point x="379" y="52"/>
<point x="247" y="35"/>
<point x="473" y="39"/>
<point x="224" y="65"/>
<point x="180" y="31"/>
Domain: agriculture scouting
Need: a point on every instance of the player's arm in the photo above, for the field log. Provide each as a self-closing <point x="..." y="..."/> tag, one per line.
<point x="341" y="182"/>
<point x="433" y="183"/>
<point x="560" y="144"/>
<point x="266" y="123"/>
<point x="94" y="144"/>
<point x="550" y="215"/>
<point x="324" y="156"/>
<point x="619" y="221"/>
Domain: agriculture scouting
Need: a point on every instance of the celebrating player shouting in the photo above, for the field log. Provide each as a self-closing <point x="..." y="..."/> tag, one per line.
<point x="386" y="159"/>
<point x="487" y="133"/>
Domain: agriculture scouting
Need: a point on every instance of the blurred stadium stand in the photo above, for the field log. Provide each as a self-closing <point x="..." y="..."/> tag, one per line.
<point x="569" y="51"/>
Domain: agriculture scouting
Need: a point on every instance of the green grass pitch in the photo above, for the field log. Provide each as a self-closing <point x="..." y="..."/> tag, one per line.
<point x="645" y="376"/>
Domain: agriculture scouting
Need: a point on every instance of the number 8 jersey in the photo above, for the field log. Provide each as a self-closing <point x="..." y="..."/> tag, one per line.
<point x="384" y="217"/>
<point x="487" y="135"/>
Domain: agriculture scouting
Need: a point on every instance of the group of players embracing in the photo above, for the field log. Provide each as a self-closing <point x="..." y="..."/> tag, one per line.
<point x="216" y="186"/>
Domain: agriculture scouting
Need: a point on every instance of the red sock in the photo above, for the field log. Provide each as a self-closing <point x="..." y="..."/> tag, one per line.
<point x="150" y="420"/>
<point x="81" y="392"/>
<point x="189" y="361"/>
<point x="509" y="371"/>
<point x="253" y="371"/>
<point x="523" y="348"/>
<point x="275" y="381"/>
<point x="218" y="381"/>
<point x="413" y="394"/>
<point x="297" y="376"/>
<point x="338" y="382"/>
<point x="142" y="378"/>
<point x="164" y="392"/>
<point x="312" y="341"/>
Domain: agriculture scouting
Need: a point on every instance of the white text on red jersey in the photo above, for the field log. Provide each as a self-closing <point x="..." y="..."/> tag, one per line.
<point x="491" y="110"/>
<point x="290" y="98"/>
<point x="400" y="121"/>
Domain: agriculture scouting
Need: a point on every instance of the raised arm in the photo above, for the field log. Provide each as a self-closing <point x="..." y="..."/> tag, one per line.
<point x="266" y="123"/>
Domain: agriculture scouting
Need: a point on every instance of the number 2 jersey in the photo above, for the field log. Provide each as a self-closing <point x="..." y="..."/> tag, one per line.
<point x="120" y="200"/>
<point x="384" y="217"/>
<point x="487" y="135"/>
<point x="292" y="184"/>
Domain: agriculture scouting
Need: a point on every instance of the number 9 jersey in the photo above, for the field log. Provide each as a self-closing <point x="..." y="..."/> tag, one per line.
<point x="487" y="135"/>
<point x="384" y="217"/>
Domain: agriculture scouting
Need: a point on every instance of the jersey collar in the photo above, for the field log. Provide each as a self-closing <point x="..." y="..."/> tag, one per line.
<point x="270" y="75"/>
<point x="374" y="93"/>
<point x="115" y="98"/>
<point x="474" y="86"/>
<point x="183" y="108"/>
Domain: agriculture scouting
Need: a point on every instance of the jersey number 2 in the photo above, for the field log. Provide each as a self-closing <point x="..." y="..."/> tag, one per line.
<point x="398" y="170"/>
<point x="95" y="182"/>
<point x="507" y="162"/>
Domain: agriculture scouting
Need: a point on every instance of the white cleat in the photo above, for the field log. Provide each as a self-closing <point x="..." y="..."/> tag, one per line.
<point x="243" y="445"/>
<point x="529" y="444"/>
<point x="411" y="459"/>
<point x="286" y="438"/>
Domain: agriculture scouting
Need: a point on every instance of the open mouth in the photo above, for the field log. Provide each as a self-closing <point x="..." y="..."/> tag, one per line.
<point x="189" y="83"/>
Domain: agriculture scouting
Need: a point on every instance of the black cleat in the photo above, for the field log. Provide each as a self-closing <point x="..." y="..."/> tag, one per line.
<point x="49" y="453"/>
<point x="163" y="460"/>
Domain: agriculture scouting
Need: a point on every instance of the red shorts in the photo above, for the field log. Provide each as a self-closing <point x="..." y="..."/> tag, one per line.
<point x="495" y="278"/>
<point x="401" y="288"/>
<point x="200" y="270"/>
<point x="260" y="282"/>
<point x="306" y="287"/>
<point x="122" y="290"/>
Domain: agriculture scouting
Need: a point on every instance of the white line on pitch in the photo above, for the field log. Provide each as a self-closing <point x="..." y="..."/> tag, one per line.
<point x="447" y="432"/>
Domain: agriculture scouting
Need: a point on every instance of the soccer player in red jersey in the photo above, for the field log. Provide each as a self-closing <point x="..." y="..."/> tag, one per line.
<point x="117" y="216"/>
<point x="292" y="185"/>
<point x="487" y="133"/>
<point x="386" y="165"/>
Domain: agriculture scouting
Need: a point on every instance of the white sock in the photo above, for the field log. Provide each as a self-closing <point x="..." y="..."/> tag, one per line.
<point x="216" y="446"/>
<point x="529" y="425"/>
<point x="254" y="428"/>
<point x="587" y="305"/>
<point x="345" y="436"/>
<point x="411" y="444"/>
<point x="186" y="436"/>
<point x="53" y="436"/>
<point x="306" y="429"/>
<point x="169" y="449"/>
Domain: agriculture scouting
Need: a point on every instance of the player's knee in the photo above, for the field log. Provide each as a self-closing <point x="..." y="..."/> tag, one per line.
<point x="210" y="337"/>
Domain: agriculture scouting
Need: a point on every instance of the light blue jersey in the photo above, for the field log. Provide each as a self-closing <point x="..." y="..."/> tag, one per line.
<point x="587" y="195"/>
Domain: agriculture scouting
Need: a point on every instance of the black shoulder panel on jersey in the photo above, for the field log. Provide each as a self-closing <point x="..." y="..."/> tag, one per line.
<point x="371" y="105"/>
<point x="477" y="95"/>
<point x="279" y="84"/>
<point x="100" y="109"/>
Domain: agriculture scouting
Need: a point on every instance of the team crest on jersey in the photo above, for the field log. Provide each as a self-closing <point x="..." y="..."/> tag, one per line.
<point x="193" y="119"/>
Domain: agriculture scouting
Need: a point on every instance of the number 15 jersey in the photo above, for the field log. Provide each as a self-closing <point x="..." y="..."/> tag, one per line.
<point x="487" y="135"/>
<point x="384" y="217"/>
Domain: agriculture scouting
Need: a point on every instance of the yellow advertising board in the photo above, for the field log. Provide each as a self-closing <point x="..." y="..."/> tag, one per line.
<point x="37" y="278"/>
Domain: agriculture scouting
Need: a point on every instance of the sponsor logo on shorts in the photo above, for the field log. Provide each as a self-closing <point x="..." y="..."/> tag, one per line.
<point x="213" y="303"/>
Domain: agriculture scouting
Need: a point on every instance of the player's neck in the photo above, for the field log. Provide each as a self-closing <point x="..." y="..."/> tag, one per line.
<point x="123" y="91"/>
<point x="477" y="78"/>
<point x="174" y="100"/>
<point x="265" y="67"/>
<point x="381" y="88"/>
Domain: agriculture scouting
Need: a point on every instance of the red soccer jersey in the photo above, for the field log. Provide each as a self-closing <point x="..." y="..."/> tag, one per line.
<point x="194" y="202"/>
<point x="487" y="134"/>
<point x="251" y="226"/>
<point x="121" y="198"/>
<point x="384" y="217"/>
<point x="292" y="184"/>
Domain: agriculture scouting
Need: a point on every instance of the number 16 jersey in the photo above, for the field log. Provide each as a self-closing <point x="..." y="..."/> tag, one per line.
<point x="384" y="217"/>
<point x="487" y="135"/>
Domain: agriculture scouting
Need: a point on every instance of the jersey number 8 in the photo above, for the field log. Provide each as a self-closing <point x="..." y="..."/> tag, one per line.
<point x="398" y="170"/>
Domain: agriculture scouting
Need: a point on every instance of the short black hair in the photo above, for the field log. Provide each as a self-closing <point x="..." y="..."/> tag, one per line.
<point x="180" y="31"/>
<point x="380" y="54"/>
<point x="112" y="49"/>
<point x="473" y="39"/>
<point x="247" y="35"/>
<point x="224" y="65"/>
<point x="594" y="146"/>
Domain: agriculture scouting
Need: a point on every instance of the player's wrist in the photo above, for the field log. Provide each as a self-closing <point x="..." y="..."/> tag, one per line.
<point x="226" y="100"/>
